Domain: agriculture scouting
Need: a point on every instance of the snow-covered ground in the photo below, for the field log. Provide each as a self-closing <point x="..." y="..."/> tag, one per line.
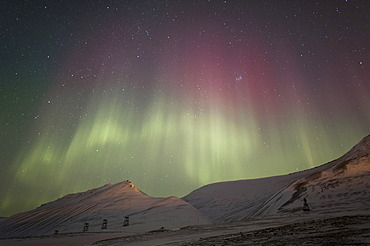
<point x="289" y="229"/>
<point x="300" y="229"/>
<point x="247" y="212"/>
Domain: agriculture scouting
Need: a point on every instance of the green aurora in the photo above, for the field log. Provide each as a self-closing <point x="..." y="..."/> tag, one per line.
<point x="173" y="95"/>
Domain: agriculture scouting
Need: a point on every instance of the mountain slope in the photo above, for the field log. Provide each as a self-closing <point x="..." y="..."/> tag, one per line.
<point x="343" y="183"/>
<point x="235" y="200"/>
<point x="110" y="202"/>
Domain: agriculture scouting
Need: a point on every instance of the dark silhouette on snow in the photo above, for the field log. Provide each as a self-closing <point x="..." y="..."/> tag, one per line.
<point x="86" y="227"/>
<point x="126" y="222"/>
<point x="306" y="208"/>
<point x="104" y="225"/>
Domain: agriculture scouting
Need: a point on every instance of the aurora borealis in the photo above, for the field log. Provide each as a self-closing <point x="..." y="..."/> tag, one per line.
<point x="174" y="95"/>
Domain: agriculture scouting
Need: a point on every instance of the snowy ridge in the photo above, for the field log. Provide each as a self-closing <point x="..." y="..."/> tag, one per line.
<point x="236" y="200"/>
<point x="343" y="183"/>
<point x="111" y="202"/>
<point x="344" y="186"/>
<point x="359" y="150"/>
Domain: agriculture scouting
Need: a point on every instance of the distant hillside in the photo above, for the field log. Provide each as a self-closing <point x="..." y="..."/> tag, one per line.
<point x="340" y="185"/>
<point x="110" y="202"/>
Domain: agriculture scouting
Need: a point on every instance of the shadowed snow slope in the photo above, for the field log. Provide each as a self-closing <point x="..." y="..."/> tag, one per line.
<point x="340" y="185"/>
<point x="110" y="202"/>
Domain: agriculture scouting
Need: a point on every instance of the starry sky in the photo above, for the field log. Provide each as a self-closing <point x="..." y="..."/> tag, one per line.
<point x="174" y="95"/>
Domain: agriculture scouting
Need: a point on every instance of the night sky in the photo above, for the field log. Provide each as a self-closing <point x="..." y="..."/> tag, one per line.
<point x="174" y="95"/>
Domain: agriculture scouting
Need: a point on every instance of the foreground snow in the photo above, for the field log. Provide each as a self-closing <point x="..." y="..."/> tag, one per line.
<point x="309" y="229"/>
<point x="338" y="228"/>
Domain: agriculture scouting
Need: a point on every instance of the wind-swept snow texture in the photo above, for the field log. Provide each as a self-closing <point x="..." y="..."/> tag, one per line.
<point x="338" y="186"/>
<point x="111" y="202"/>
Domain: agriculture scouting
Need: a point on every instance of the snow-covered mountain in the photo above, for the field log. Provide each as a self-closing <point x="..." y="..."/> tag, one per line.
<point x="340" y="185"/>
<point x="110" y="202"/>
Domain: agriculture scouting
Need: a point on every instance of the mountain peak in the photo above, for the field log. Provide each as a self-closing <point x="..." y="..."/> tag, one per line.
<point x="124" y="188"/>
